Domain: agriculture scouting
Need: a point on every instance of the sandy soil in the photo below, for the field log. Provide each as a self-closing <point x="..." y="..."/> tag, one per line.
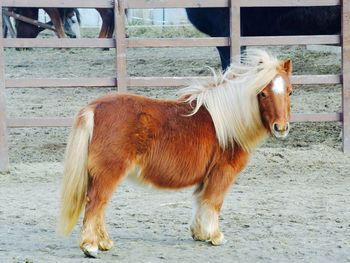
<point x="291" y="204"/>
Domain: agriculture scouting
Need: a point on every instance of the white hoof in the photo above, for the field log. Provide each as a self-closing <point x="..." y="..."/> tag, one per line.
<point x="105" y="244"/>
<point x="90" y="251"/>
<point x="218" y="239"/>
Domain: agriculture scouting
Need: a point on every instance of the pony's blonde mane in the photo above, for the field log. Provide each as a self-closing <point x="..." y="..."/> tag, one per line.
<point x="231" y="99"/>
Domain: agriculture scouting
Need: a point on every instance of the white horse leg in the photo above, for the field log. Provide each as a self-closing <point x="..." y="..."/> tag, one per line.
<point x="205" y="224"/>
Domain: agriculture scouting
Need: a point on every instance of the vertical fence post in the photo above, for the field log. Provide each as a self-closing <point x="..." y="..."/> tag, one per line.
<point x="4" y="159"/>
<point x="346" y="74"/>
<point x="119" y="24"/>
<point x="235" y="29"/>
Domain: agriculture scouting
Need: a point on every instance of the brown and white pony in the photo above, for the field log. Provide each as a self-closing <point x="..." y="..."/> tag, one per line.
<point x="204" y="138"/>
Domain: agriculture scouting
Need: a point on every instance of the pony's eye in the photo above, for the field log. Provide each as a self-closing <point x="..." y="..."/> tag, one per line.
<point x="262" y="95"/>
<point x="290" y="93"/>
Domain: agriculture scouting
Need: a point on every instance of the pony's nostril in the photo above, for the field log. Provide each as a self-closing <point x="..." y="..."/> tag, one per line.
<point x="287" y="127"/>
<point x="276" y="127"/>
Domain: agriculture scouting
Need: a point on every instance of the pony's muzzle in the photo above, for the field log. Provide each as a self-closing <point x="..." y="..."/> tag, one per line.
<point x="280" y="130"/>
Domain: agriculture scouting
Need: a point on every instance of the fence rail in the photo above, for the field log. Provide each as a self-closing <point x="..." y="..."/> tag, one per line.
<point x="146" y="81"/>
<point x="170" y="42"/>
<point x="120" y="43"/>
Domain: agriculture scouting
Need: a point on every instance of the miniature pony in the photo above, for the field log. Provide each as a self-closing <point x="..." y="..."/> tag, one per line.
<point x="204" y="139"/>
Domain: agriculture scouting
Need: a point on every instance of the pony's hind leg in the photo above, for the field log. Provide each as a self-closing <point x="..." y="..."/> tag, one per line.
<point x="102" y="182"/>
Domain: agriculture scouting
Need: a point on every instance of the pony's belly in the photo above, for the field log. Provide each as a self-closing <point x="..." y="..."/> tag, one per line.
<point x="136" y="173"/>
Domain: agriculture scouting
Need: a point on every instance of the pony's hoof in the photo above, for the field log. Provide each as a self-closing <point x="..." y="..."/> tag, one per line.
<point x="105" y="244"/>
<point x="218" y="239"/>
<point x="90" y="251"/>
<point x="197" y="237"/>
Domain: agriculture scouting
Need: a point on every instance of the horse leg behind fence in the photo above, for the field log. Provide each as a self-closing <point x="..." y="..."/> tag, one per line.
<point x="107" y="28"/>
<point x="57" y="21"/>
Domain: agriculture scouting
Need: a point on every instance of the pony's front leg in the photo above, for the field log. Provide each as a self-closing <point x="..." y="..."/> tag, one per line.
<point x="205" y="224"/>
<point x="210" y="196"/>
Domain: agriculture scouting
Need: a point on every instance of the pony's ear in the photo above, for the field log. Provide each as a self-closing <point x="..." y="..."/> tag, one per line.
<point x="287" y="65"/>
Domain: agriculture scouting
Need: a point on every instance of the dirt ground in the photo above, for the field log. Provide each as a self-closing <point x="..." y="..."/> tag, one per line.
<point x="291" y="204"/>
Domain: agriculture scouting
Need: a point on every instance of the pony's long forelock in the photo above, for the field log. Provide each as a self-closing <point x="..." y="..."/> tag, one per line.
<point x="231" y="99"/>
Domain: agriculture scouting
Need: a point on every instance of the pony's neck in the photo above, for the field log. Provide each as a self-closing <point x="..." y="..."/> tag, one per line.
<point x="246" y="137"/>
<point x="252" y="136"/>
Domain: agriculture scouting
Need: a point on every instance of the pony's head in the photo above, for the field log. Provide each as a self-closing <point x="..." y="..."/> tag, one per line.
<point x="248" y="101"/>
<point x="274" y="101"/>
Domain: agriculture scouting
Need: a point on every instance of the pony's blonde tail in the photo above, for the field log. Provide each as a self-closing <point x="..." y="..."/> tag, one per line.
<point x="75" y="178"/>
